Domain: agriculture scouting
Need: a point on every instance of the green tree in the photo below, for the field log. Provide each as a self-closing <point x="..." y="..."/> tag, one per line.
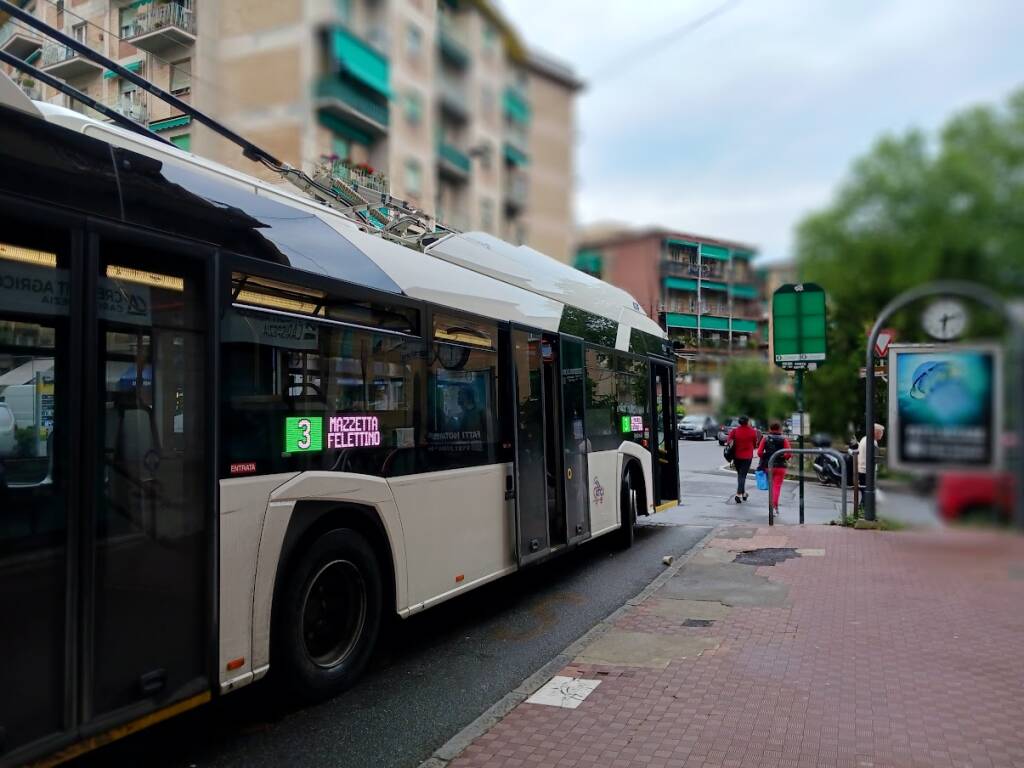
<point x="913" y="209"/>
<point x="753" y="389"/>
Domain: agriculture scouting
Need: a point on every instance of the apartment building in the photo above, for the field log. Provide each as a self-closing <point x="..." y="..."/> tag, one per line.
<point x="702" y="290"/>
<point x="441" y="96"/>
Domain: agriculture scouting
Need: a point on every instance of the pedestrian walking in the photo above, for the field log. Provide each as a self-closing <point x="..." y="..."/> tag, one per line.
<point x="743" y="440"/>
<point x="862" y="455"/>
<point x="771" y="444"/>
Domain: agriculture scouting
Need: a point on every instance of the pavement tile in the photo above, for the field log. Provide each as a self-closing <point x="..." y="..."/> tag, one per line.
<point x="893" y="649"/>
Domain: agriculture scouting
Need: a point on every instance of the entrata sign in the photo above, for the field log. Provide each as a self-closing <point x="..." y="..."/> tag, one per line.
<point x="798" y="326"/>
<point x="886" y="336"/>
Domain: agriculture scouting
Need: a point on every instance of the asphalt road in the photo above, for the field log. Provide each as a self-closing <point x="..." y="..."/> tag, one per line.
<point x="434" y="674"/>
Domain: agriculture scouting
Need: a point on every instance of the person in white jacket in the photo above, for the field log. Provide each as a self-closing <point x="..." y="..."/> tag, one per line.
<point x="862" y="454"/>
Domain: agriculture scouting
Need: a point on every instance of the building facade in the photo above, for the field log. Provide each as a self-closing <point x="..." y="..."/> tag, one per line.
<point x="702" y="290"/>
<point x="441" y="96"/>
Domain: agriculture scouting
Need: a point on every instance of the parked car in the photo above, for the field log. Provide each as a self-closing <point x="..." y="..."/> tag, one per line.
<point x="981" y="495"/>
<point x="697" y="428"/>
<point x="725" y="429"/>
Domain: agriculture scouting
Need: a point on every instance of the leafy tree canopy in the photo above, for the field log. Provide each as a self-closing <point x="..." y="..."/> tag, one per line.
<point x="914" y="209"/>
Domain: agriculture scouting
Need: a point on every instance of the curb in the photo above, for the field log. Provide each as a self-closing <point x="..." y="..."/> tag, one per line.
<point x="452" y="748"/>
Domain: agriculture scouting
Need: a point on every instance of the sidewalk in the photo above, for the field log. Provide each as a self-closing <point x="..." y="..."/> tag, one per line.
<point x="856" y="648"/>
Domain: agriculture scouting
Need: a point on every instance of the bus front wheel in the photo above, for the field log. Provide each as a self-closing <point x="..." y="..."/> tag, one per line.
<point x="330" y="616"/>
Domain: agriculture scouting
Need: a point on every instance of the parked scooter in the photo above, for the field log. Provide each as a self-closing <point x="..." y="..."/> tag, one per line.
<point x="829" y="471"/>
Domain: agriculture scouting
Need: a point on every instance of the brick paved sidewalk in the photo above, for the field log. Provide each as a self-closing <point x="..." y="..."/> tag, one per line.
<point x="867" y="649"/>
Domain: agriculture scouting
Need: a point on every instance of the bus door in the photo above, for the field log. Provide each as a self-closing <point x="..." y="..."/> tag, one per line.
<point x="573" y="438"/>
<point x="105" y="483"/>
<point x="147" y="533"/>
<point x="530" y="461"/>
<point x="666" y="445"/>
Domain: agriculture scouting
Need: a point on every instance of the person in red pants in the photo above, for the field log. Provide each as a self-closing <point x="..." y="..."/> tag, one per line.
<point x="771" y="444"/>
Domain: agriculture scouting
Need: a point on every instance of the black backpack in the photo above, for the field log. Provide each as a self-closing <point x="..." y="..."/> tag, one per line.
<point x="772" y="445"/>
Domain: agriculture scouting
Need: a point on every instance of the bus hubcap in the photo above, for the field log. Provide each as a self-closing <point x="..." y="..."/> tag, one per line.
<point x="333" y="613"/>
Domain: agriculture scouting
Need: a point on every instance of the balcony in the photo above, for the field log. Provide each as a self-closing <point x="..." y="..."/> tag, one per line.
<point x="517" y="191"/>
<point x="19" y="41"/>
<point x="452" y="42"/>
<point x="452" y="161"/>
<point x="65" y="63"/>
<point x="162" y="26"/>
<point x="131" y="107"/>
<point x="354" y="105"/>
<point x="705" y="271"/>
<point x="454" y="100"/>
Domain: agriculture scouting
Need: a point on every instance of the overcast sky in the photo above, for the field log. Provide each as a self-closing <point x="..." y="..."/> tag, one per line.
<point x="740" y="127"/>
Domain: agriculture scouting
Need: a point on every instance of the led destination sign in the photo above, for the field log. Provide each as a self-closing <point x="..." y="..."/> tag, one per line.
<point x="305" y="434"/>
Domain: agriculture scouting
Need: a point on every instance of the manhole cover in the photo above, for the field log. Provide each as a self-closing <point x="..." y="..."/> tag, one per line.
<point x="766" y="556"/>
<point x="698" y="623"/>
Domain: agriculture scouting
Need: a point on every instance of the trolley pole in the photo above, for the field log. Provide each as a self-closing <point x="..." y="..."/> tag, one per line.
<point x="800" y="437"/>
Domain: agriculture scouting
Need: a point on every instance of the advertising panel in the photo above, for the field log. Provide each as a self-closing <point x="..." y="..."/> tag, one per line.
<point x="944" y="407"/>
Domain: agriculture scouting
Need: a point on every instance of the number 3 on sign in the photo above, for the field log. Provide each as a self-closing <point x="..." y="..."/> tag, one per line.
<point x="305" y="441"/>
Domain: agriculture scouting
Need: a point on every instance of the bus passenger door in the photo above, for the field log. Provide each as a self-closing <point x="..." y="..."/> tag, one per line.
<point x="665" y="458"/>
<point x="574" y="441"/>
<point x="529" y="434"/>
<point x="147" y="536"/>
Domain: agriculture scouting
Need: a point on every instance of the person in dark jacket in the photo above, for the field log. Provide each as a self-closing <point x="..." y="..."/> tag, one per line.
<point x="744" y="440"/>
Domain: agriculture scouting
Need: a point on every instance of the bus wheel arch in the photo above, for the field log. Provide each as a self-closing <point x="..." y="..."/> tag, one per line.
<point x="343" y="548"/>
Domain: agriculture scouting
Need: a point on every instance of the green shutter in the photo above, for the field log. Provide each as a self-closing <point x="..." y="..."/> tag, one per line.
<point x="683" y="243"/>
<point x="743" y="291"/>
<point x="515" y="156"/>
<point x="679" y="320"/>
<point x="516" y="106"/>
<point x="360" y="61"/>
<point x="588" y="260"/>
<point x="134" y="66"/>
<point x="710" y="323"/>
<point x="184" y="141"/>
<point x="744" y="326"/>
<point x="169" y="123"/>
<point x="344" y="129"/>
<point x="680" y="283"/>
<point x="712" y="285"/>
<point x="714" y="252"/>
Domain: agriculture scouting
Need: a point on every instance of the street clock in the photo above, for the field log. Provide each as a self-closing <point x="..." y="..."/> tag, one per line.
<point x="945" y="319"/>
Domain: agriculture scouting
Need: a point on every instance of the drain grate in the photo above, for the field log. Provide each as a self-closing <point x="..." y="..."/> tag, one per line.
<point x="698" y="622"/>
<point x="766" y="556"/>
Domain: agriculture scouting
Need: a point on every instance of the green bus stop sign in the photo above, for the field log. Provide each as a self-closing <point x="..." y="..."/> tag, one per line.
<point x="798" y="326"/>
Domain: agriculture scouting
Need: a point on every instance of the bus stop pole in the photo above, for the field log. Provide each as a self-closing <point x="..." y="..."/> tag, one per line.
<point x="800" y="437"/>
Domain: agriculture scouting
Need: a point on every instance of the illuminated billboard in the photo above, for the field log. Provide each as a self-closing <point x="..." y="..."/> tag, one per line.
<point x="944" y="407"/>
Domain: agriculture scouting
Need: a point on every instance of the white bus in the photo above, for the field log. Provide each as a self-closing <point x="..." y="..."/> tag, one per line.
<point x="261" y="428"/>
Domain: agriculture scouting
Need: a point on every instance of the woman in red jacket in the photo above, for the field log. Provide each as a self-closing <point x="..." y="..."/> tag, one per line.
<point x="744" y="440"/>
<point x="772" y="443"/>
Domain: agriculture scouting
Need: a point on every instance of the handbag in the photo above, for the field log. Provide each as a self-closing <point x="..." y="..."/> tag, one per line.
<point x="762" y="480"/>
<point x="730" y="451"/>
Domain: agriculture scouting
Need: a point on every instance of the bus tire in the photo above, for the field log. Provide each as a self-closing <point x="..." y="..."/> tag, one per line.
<point x="329" y="617"/>
<point x="631" y="492"/>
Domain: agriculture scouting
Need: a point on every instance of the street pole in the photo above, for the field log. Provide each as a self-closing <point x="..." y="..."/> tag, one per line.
<point x="800" y="410"/>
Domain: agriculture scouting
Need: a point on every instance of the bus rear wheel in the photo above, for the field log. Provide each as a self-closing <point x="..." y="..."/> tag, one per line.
<point x="629" y="505"/>
<point x="330" y="616"/>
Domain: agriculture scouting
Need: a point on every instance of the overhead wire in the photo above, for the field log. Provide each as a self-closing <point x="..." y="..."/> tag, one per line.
<point x="653" y="47"/>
